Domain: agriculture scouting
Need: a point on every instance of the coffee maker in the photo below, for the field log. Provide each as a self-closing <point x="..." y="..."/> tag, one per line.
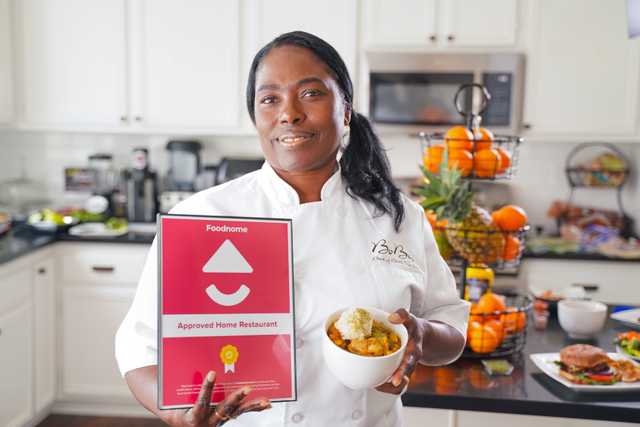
<point x="141" y="188"/>
<point x="184" y="167"/>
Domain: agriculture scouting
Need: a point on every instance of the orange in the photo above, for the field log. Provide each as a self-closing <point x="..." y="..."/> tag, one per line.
<point x="514" y="320"/>
<point x="483" y="139"/>
<point x="472" y="326"/>
<point x="505" y="160"/>
<point x="445" y="380"/>
<point x="433" y="158"/>
<point x="486" y="163"/>
<point x="491" y="302"/>
<point x="431" y="217"/>
<point x="462" y="160"/>
<point x="511" y="248"/>
<point x="483" y="339"/>
<point x="459" y="137"/>
<point x="475" y="314"/>
<point x="497" y="327"/>
<point x="510" y="218"/>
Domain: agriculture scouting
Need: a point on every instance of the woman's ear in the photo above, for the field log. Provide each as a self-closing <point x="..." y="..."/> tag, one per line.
<point x="347" y="114"/>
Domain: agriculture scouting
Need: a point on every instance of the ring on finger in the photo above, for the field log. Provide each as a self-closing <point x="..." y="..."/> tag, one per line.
<point x="223" y="417"/>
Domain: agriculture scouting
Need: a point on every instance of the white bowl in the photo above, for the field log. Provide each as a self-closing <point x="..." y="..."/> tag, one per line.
<point x="362" y="372"/>
<point x="581" y="318"/>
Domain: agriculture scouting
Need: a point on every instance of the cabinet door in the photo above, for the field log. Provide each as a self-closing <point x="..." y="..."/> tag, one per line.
<point x="400" y="23"/>
<point x="480" y="23"/>
<point x="90" y="318"/>
<point x="45" y="344"/>
<point x="420" y="417"/>
<point x="73" y="62"/>
<point x="185" y="63"/>
<point x="334" y="21"/>
<point x="583" y="70"/>
<point x="16" y="352"/>
<point x="6" y="85"/>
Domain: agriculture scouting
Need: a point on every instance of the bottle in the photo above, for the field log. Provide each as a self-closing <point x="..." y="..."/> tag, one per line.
<point x="479" y="281"/>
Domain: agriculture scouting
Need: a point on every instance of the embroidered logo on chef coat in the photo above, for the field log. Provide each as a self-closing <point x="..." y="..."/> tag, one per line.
<point x="390" y="252"/>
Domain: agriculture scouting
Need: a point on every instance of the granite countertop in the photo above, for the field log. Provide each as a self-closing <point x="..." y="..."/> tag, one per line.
<point x="464" y="385"/>
<point x="23" y="239"/>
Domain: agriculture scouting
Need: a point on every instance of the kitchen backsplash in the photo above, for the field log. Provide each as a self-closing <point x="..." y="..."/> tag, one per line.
<point x="539" y="180"/>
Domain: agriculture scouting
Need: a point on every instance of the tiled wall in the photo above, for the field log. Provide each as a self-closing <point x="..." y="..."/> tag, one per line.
<point x="540" y="178"/>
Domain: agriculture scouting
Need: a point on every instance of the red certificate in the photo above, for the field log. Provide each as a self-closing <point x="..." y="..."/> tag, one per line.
<point x="226" y="304"/>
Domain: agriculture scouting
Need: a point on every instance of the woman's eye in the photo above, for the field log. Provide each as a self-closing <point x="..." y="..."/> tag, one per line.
<point x="311" y="92"/>
<point x="268" y="100"/>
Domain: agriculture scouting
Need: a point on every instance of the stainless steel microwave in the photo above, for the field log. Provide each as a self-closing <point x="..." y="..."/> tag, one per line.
<point x="415" y="91"/>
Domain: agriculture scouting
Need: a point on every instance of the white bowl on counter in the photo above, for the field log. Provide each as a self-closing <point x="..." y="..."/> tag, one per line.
<point x="362" y="372"/>
<point x="581" y="319"/>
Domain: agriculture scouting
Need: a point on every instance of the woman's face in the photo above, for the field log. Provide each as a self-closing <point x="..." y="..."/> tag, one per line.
<point x="299" y="110"/>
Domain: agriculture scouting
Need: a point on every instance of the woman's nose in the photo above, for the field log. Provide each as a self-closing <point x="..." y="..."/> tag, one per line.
<point x="291" y="113"/>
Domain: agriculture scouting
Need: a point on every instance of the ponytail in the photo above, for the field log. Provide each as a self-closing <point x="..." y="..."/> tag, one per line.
<point x="365" y="169"/>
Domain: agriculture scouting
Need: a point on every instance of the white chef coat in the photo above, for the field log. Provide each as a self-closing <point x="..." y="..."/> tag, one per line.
<point x="344" y="255"/>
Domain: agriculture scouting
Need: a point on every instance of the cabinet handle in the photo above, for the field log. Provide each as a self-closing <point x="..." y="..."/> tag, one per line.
<point x="103" y="268"/>
<point x="138" y="119"/>
<point x="527" y="126"/>
<point x="433" y="38"/>
<point x="0" y="331"/>
<point x="123" y="119"/>
<point x="588" y="287"/>
<point x="42" y="270"/>
<point x="451" y="37"/>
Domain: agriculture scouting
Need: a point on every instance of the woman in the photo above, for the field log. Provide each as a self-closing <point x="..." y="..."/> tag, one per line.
<point x="358" y="242"/>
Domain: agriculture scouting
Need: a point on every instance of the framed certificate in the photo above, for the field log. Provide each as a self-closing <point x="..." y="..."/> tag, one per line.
<point x="225" y="304"/>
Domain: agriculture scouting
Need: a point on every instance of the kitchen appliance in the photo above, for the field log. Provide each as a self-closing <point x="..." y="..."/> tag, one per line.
<point x="184" y="165"/>
<point x="207" y="177"/>
<point x="141" y="188"/>
<point x="412" y="92"/>
<point x="105" y="174"/>
<point x="233" y="167"/>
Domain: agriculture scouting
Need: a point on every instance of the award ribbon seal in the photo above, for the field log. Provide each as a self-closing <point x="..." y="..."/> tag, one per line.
<point x="229" y="356"/>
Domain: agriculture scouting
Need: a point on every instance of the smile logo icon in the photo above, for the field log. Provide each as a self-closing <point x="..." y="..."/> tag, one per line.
<point x="227" y="259"/>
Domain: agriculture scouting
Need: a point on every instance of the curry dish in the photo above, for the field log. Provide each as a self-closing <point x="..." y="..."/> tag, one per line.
<point x="381" y="342"/>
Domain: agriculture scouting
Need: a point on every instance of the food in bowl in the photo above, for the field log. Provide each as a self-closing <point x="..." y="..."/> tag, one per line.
<point x="356" y="332"/>
<point x="357" y="371"/>
<point x="629" y="342"/>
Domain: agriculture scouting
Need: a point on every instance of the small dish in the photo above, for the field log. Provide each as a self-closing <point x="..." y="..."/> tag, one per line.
<point x="581" y="319"/>
<point x="628" y="317"/>
<point x="362" y="372"/>
<point x="96" y="229"/>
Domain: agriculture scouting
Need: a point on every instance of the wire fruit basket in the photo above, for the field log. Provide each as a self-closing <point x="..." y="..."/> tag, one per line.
<point x="476" y="151"/>
<point x="501" y="332"/>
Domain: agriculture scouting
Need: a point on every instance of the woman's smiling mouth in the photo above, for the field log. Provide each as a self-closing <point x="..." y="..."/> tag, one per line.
<point x="293" y="140"/>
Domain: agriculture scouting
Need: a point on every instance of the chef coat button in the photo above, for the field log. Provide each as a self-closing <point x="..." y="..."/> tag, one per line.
<point x="297" y="417"/>
<point x="299" y="342"/>
<point x="357" y="414"/>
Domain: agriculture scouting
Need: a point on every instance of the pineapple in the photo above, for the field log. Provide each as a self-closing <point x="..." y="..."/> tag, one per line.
<point x="470" y="230"/>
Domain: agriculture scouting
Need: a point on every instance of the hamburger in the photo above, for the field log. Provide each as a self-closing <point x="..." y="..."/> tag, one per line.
<point x="586" y="364"/>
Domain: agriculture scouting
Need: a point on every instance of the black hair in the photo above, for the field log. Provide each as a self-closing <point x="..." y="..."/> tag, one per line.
<point x="364" y="163"/>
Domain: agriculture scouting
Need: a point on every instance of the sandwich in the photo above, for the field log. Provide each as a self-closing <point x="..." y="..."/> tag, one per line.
<point x="586" y="364"/>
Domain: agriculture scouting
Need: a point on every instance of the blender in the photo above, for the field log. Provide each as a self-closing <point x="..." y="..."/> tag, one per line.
<point x="184" y="167"/>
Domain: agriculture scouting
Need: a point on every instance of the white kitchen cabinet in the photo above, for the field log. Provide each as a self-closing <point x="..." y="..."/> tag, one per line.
<point x="421" y="417"/>
<point x="440" y="24"/>
<point x="616" y="282"/>
<point x="45" y="333"/>
<point x="97" y="285"/>
<point x="90" y="318"/>
<point x="16" y="348"/>
<point x="72" y="62"/>
<point x="335" y="21"/>
<point x="185" y="63"/>
<point x="6" y="63"/>
<point x="583" y="71"/>
<point x="130" y="65"/>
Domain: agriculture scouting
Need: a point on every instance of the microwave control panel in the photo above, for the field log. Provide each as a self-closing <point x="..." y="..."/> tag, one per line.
<point x="498" y="111"/>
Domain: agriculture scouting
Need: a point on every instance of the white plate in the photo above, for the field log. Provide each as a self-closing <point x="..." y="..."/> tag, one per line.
<point x="545" y="361"/>
<point x="95" y="229"/>
<point x="630" y="317"/>
<point x="622" y="352"/>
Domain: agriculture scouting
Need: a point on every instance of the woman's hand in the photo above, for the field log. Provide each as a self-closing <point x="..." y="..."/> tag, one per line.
<point x="204" y="414"/>
<point x="412" y="354"/>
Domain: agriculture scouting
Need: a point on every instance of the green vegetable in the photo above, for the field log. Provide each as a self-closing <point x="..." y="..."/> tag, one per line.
<point x="114" y="223"/>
